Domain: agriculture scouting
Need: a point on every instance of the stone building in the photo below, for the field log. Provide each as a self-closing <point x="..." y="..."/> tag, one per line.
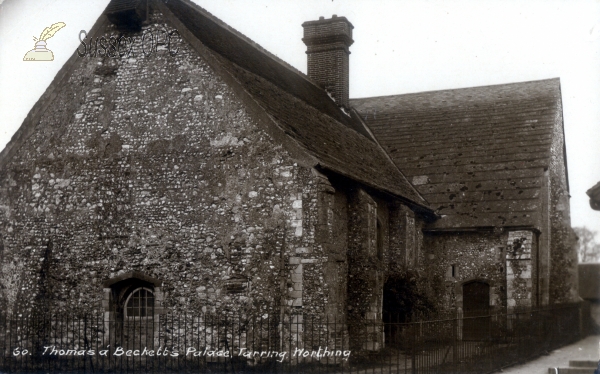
<point x="491" y="161"/>
<point x="200" y="173"/>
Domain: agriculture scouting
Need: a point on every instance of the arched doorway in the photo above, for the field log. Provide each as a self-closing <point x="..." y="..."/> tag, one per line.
<point x="476" y="310"/>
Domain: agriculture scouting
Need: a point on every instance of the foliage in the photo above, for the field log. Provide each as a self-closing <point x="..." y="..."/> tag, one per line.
<point x="403" y="297"/>
<point x="588" y="250"/>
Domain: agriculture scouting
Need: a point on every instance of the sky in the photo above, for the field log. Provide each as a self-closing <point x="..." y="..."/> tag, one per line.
<point x="400" y="46"/>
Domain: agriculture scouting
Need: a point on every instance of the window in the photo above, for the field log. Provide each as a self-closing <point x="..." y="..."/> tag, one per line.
<point x="140" y="303"/>
<point x="452" y="272"/>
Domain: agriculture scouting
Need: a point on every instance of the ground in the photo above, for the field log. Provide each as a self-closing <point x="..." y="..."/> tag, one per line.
<point x="585" y="349"/>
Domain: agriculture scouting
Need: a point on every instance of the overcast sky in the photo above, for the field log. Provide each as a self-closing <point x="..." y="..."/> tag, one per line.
<point x="400" y="47"/>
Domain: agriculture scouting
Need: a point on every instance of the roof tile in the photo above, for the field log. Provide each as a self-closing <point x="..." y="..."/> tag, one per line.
<point x="477" y="154"/>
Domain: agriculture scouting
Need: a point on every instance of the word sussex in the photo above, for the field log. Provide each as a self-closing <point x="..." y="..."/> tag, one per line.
<point x="123" y="46"/>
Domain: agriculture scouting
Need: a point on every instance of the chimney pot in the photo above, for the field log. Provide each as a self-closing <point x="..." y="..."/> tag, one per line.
<point x="328" y="42"/>
<point x="127" y="14"/>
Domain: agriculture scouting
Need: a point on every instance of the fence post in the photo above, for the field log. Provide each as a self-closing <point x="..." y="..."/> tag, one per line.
<point x="454" y="343"/>
<point x="580" y="315"/>
<point x="413" y="349"/>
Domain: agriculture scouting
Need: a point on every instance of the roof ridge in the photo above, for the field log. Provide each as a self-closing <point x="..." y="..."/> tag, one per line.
<point x="459" y="89"/>
<point x="339" y="114"/>
<point x="251" y="42"/>
<point x="241" y="50"/>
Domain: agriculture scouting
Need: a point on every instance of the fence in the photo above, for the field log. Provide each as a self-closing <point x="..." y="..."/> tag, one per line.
<point x="485" y="344"/>
<point x="204" y="343"/>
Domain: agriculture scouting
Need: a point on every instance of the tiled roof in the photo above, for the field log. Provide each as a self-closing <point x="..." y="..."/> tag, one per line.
<point x="478" y="154"/>
<point x="302" y="110"/>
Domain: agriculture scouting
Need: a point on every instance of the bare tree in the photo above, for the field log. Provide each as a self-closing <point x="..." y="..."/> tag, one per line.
<point x="588" y="249"/>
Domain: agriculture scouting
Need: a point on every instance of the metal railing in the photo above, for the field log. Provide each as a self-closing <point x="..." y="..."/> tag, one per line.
<point x="276" y="343"/>
<point x="487" y="343"/>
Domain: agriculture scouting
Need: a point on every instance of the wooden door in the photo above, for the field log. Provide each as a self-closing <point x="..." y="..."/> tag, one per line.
<point x="476" y="310"/>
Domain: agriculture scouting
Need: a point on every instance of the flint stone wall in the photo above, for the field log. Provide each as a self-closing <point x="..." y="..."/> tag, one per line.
<point x="152" y="163"/>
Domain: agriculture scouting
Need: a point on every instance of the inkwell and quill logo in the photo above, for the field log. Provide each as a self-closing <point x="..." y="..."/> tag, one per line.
<point x="40" y="52"/>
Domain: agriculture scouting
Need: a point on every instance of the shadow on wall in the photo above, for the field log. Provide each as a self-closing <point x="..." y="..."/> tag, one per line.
<point x="404" y="301"/>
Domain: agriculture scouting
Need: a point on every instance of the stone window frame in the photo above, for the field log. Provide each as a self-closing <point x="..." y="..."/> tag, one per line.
<point x="112" y="320"/>
<point x="411" y="241"/>
<point x="108" y="302"/>
<point x="452" y="272"/>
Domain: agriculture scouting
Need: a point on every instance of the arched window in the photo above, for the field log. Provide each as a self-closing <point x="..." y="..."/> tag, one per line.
<point x="140" y="303"/>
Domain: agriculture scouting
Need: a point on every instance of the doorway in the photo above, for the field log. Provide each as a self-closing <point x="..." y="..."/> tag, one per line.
<point x="403" y="302"/>
<point x="476" y="310"/>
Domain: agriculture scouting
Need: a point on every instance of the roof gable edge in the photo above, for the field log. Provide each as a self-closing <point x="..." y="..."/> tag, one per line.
<point x="243" y="37"/>
<point x="31" y="121"/>
<point x="257" y="112"/>
<point x="226" y="41"/>
<point x="562" y="126"/>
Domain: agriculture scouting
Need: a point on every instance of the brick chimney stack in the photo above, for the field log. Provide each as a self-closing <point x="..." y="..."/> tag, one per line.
<point x="328" y="42"/>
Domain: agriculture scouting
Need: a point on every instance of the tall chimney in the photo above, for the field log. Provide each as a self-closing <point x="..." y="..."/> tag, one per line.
<point x="328" y="42"/>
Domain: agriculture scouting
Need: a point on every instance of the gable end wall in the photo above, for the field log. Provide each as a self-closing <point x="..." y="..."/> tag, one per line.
<point x="176" y="180"/>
